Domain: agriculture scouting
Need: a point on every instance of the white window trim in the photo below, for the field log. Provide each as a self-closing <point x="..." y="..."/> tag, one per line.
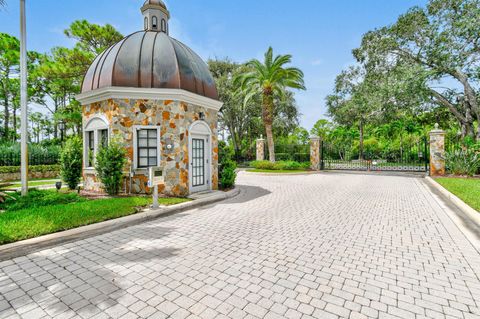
<point x="135" y="146"/>
<point x="96" y="141"/>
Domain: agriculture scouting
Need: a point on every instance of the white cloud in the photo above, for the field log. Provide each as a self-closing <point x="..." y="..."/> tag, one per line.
<point x="317" y="62"/>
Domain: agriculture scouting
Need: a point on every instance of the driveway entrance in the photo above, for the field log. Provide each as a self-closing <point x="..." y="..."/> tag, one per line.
<point x="309" y="246"/>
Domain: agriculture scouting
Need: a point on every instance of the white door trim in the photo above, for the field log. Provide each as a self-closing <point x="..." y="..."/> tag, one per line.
<point x="200" y="129"/>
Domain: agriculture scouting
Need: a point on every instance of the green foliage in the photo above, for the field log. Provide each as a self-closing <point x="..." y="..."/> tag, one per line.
<point x="280" y="165"/>
<point x="403" y="63"/>
<point x="288" y="166"/>
<point x="463" y="162"/>
<point x="71" y="162"/>
<point x="92" y="37"/>
<point x="37" y="154"/>
<point x="53" y="80"/>
<point x="262" y="165"/>
<point x="32" y="169"/>
<point x="242" y="117"/>
<point x="270" y="79"/>
<point x="322" y="128"/>
<point x="39" y="198"/>
<point x="227" y="167"/>
<point x="109" y="165"/>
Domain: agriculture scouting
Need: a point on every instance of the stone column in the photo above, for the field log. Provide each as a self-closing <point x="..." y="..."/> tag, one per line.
<point x="261" y="149"/>
<point x="437" y="152"/>
<point x="315" y="153"/>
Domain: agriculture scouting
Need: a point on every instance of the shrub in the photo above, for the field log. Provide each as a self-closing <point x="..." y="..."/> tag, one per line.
<point x="463" y="162"/>
<point x="227" y="167"/>
<point x="263" y="165"/>
<point x="109" y="165"/>
<point x="228" y="174"/>
<point x="280" y="165"/>
<point x="288" y="165"/>
<point x="38" y="154"/>
<point x="32" y="169"/>
<point x="71" y="162"/>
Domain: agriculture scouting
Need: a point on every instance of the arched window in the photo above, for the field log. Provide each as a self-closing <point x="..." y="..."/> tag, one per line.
<point x="164" y="25"/>
<point x="145" y="24"/>
<point x="96" y="135"/>
<point x="154" y="23"/>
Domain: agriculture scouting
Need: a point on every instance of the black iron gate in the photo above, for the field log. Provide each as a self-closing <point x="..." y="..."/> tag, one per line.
<point x="408" y="157"/>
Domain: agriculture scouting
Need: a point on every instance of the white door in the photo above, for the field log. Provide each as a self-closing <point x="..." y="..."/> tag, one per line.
<point x="199" y="164"/>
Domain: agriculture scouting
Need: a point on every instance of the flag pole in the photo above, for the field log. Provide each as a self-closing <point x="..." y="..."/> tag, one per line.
<point x="23" y="100"/>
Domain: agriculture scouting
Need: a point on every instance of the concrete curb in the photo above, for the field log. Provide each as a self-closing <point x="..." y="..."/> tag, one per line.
<point x="471" y="213"/>
<point x="25" y="247"/>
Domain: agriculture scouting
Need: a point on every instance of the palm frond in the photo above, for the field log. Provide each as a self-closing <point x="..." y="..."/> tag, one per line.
<point x="269" y="57"/>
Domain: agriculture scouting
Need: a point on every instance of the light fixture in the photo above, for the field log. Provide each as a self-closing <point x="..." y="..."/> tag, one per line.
<point x="201" y="116"/>
<point x="58" y="185"/>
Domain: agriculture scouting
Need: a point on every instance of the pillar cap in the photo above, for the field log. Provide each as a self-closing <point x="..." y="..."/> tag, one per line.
<point x="437" y="130"/>
<point x="314" y="137"/>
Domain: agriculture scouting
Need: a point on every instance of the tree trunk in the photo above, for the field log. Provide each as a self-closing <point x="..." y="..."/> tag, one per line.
<point x="467" y="125"/>
<point x="271" y="146"/>
<point x="55" y="125"/>
<point x="360" y="147"/>
<point x="6" y="119"/>
<point x="14" y="136"/>
<point x="268" y="121"/>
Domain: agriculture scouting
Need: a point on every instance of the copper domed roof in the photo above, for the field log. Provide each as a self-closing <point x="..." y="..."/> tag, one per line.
<point x="148" y="59"/>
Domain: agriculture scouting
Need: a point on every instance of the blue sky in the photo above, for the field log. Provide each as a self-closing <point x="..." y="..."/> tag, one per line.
<point x="320" y="34"/>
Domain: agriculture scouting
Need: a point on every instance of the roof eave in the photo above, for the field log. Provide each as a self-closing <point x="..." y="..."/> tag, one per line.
<point x="107" y="93"/>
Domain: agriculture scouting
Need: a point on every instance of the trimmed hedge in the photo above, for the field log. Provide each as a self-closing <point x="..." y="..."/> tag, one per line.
<point x="281" y="165"/>
<point x="37" y="154"/>
<point x="32" y="169"/>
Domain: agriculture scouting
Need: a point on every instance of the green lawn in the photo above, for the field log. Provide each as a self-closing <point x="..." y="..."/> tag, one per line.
<point x="467" y="189"/>
<point x="46" y="212"/>
<point x="278" y="171"/>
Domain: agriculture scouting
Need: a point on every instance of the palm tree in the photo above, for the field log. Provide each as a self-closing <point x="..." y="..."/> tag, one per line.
<point x="270" y="79"/>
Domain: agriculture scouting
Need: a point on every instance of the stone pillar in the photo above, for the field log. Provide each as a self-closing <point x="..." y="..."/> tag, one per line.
<point x="261" y="149"/>
<point x="437" y="152"/>
<point x="315" y="153"/>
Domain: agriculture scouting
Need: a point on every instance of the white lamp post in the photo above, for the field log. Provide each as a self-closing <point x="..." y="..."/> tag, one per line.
<point x="23" y="99"/>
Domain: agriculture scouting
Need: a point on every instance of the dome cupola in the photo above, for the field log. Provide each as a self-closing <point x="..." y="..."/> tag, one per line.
<point x="155" y="16"/>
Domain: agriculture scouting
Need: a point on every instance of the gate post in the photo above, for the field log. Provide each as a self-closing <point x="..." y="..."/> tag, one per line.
<point x="260" y="149"/>
<point x="437" y="151"/>
<point x="315" y="153"/>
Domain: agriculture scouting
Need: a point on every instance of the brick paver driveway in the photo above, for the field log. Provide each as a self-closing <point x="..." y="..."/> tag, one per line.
<point x="323" y="246"/>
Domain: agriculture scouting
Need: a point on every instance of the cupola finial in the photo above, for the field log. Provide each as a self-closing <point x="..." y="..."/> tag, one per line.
<point x="155" y="16"/>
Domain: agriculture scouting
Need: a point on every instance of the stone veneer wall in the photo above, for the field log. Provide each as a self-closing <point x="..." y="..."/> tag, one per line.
<point x="174" y="119"/>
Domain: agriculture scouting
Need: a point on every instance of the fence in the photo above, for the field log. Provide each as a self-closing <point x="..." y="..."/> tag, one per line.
<point x="290" y="152"/>
<point x="408" y="157"/>
<point x="37" y="155"/>
<point x="456" y="143"/>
